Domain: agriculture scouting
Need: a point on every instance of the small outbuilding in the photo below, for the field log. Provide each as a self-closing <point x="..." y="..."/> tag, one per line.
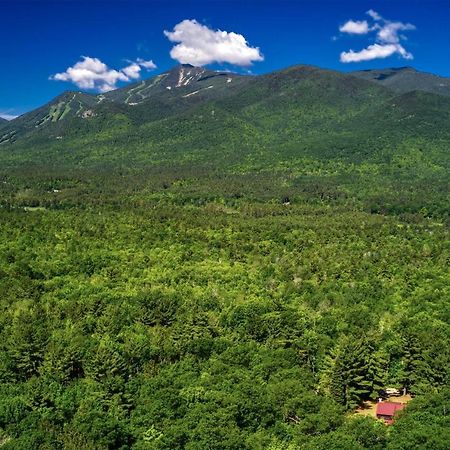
<point x="392" y="392"/>
<point x="386" y="411"/>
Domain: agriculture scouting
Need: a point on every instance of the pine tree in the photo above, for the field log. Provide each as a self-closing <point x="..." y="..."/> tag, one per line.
<point x="355" y="372"/>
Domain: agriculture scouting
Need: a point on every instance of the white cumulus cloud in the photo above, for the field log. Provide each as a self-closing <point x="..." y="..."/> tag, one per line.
<point x="133" y="71"/>
<point x="387" y="41"/>
<point x="91" y="73"/>
<point x="367" y="54"/>
<point x="199" y="45"/>
<point x="389" y="32"/>
<point x="355" y="27"/>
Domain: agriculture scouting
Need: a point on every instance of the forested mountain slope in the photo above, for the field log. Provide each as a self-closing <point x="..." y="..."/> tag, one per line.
<point x="299" y="112"/>
<point x="407" y="79"/>
<point x="159" y="95"/>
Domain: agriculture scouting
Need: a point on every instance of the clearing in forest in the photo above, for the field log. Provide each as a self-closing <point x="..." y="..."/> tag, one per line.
<point x="368" y="408"/>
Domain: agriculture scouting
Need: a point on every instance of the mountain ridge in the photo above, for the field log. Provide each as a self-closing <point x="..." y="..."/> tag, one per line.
<point x="184" y="81"/>
<point x="122" y="94"/>
<point x="406" y="79"/>
<point x="250" y="122"/>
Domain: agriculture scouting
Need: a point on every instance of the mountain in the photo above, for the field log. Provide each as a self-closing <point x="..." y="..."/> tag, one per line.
<point x="67" y="105"/>
<point x="182" y="95"/>
<point x="407" y="79"/>
<point x="175" y="89"/>
<point x="185" y="80"/>
<point x="224" y="120"/>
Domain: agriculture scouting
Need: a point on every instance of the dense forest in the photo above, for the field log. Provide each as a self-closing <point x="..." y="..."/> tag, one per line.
<point x="181" y="308"/>
<point x="238" y="275"/>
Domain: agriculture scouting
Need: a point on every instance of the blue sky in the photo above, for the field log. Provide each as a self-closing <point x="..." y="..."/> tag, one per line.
<point x="123" y="39"/>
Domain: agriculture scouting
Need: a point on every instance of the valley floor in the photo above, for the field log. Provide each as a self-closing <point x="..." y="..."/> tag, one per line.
<point x="155" y="312"/>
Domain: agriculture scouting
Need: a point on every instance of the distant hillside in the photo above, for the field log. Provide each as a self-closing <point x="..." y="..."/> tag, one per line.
<point x="171" y="91"/>
<point x="67" y="105"/>
<point x="283" y="119"/>
<point x="407" y="79"/>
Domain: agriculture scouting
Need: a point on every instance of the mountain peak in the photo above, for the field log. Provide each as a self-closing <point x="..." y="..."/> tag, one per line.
<point x="179" y="67"/>
<point x="406" y="79"/>
<point x="183" y="75"/>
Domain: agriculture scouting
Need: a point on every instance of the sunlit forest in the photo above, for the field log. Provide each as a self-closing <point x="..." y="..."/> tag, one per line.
<point x="187" y="307"/>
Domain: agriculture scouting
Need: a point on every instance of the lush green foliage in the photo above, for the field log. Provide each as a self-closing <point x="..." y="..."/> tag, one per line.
<point x="233" y="273"/>
<point x="178" y="308"/>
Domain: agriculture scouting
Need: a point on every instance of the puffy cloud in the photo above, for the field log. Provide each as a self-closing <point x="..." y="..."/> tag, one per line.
<point x="367" y="54"/>
<point x="149" y="65"/>
<point x="387" y="39"/>
<point x="375" y="16"/>
<point x="355" y="27"/>
<point x="132" y="71"/>
<point x="389" y="32"/>
<point x="199" y="45"/>
<point x="91" y="73"/>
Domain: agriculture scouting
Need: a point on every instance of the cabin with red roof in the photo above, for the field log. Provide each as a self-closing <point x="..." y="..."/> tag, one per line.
<point x="387" y="410"/>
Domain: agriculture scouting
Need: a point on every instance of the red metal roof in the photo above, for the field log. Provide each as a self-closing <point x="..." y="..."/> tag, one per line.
<point x="388" y="408"/>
